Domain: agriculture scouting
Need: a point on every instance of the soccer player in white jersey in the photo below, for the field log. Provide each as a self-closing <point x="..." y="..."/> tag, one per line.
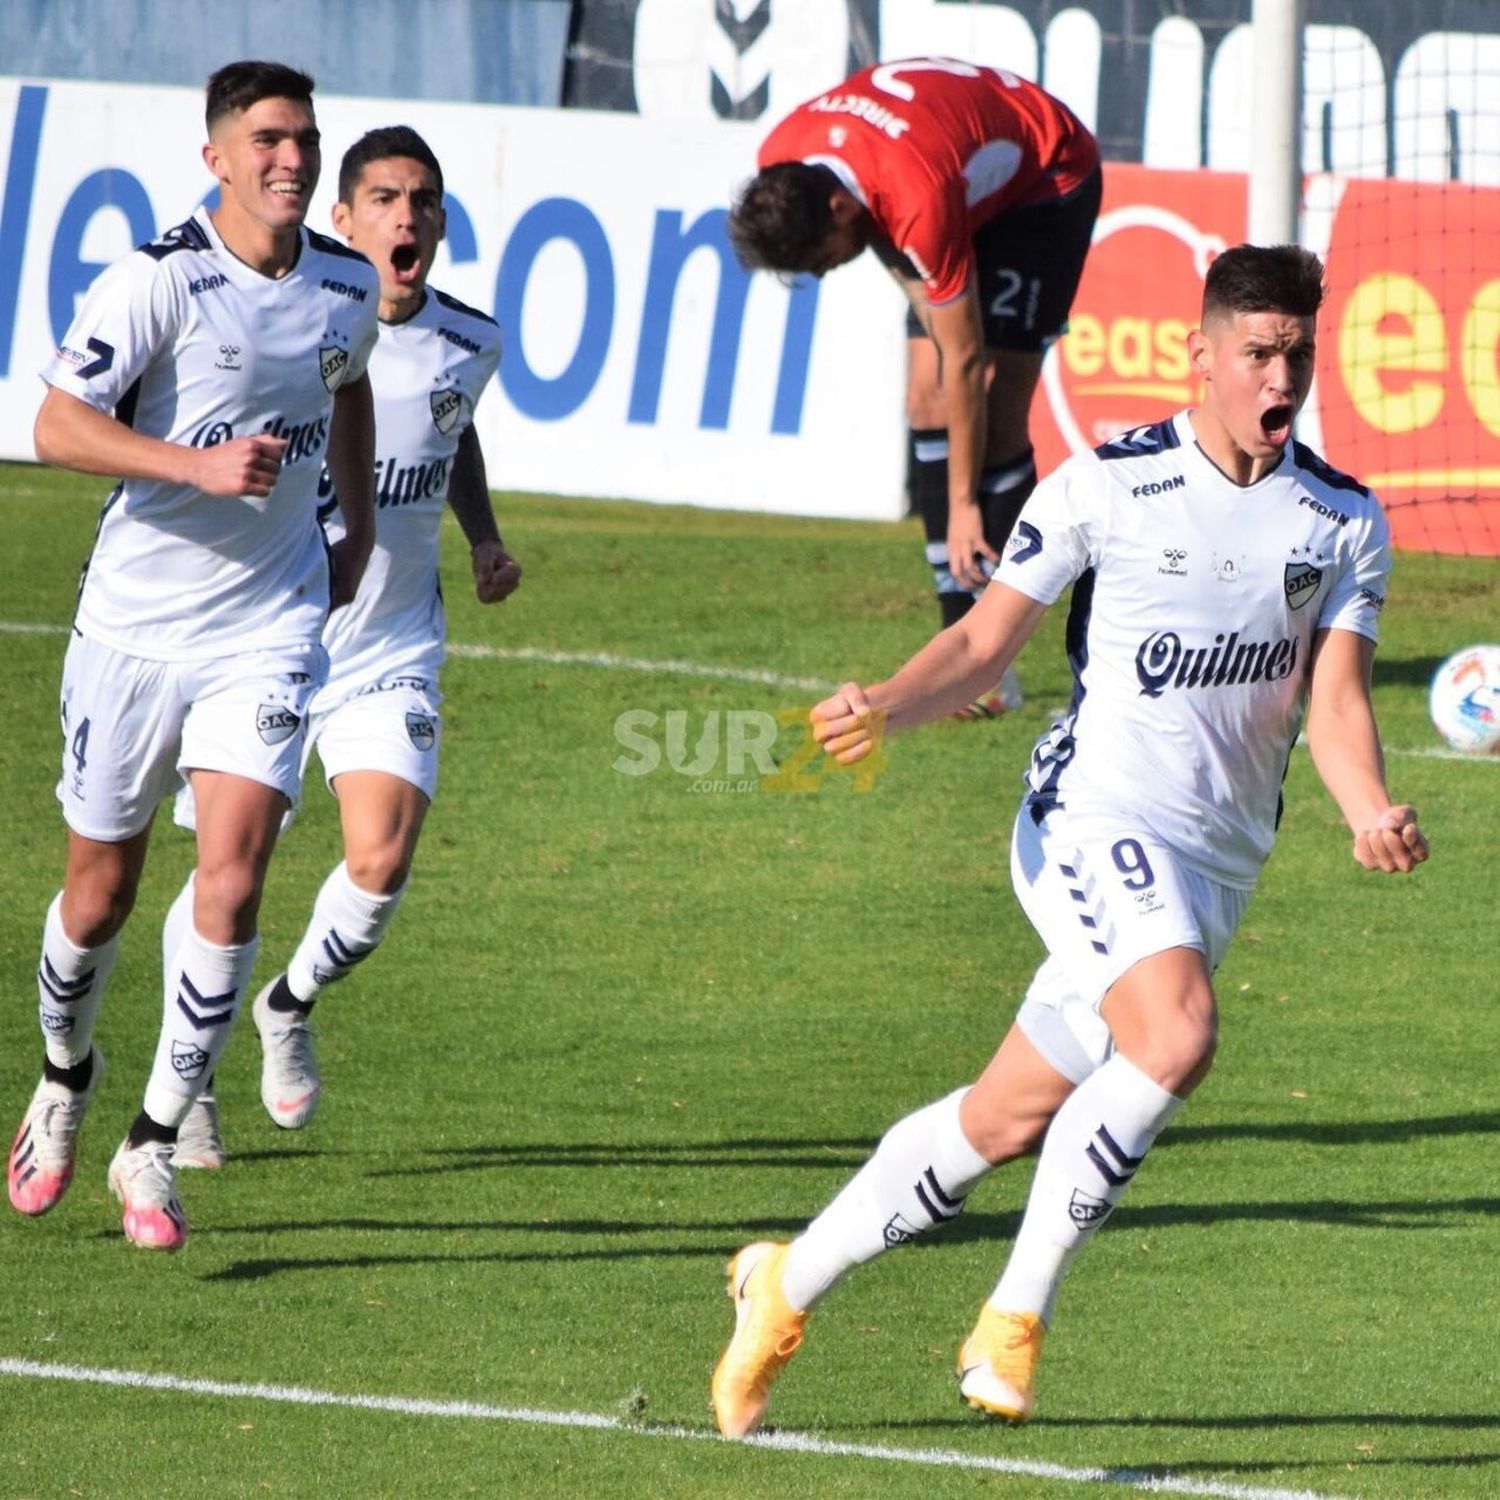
<point x="1223" y="578"/>
<point x="212" y="371"/>
<point x="376" y="723"/>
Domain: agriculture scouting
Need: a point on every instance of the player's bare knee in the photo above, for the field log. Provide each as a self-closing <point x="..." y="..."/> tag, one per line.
<point x="1177" y="1053"/>
<point x="996" y="1129"/>
<point x="1000" y="1140"/>
<point x="95" y="910"/>
<point x="226" y="901"/>
<point x="382" y="869"/>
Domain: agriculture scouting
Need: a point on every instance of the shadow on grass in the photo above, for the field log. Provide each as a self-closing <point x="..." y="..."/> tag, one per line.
<point x="755" y="1151"/>
<point x="852" y="1151"/>
<point x="1363" y="1421"/>
<point x="259" y="1270"/>
<point x="987" y="1227"/>
<point x="1408" y="671"/>
<point x="301" y="1153"/>
<point x="1338" y="1132"/>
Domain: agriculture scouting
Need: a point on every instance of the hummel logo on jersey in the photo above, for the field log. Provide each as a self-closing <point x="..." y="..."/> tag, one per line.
<point x="275" y="722"/>
<point x="332" y="362"/>
<point x="343" y="289"/>
<point x="210" y="283"/>
<point x="1301" y="580"/>
<point x="1163" y="662"/>
<point x="446" y="405"/>
<point x="1338" y="517"/>
<point x="422" y="730"/>
<point x="1025" y="542"/>
<point x="1175" y="557"/>
<point x="1159" y="487"/>
<point x="228" y="353"/>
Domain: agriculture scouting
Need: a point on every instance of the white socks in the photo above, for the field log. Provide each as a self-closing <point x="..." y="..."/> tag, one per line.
<point x="70" y="984"/>
<point x="347" y="926"/>
<point x="203" y="995"/>
<point x="917" y="1179"/>
<point x="1092" y="1149"/>
<point x="178" y="923"/>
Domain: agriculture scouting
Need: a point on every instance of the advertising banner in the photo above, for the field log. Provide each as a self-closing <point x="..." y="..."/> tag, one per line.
<point x="640" y="360"/>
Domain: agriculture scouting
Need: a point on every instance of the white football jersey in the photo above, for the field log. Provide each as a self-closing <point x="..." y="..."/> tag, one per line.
<point x="1194" y="605"/>
<point x="182" y="340"/>
<point x="427" y="374"/>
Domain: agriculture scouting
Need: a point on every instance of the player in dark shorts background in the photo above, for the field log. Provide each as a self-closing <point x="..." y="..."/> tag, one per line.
<point x="978" y="191"/>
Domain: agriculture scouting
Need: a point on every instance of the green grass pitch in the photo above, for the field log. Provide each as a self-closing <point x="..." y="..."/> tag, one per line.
<point x="622" y="1026"/>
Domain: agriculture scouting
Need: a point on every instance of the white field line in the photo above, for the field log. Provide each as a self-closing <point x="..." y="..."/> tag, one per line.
<point x="645" y="665"/>
<point x="783" y="1442"/>
<point x="762" y="677"/>
<point x="642" y="664"/>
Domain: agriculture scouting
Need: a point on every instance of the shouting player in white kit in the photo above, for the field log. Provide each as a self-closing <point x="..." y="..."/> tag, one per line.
<point x="376" y="723"/>
<point x="1223" y="575"/>
<point x="212" y="371"/>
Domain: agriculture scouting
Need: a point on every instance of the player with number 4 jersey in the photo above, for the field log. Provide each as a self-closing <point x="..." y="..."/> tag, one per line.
<point x="213" y="372"/>
<point x="376" y="723"/>
<point x="1224" y="580"/>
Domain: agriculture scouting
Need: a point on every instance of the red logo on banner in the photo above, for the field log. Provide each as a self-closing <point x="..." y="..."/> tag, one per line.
<point x="1123" y="361"/>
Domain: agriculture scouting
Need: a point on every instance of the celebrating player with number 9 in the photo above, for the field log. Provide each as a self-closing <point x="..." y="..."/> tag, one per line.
<point x="1223" y="579"/>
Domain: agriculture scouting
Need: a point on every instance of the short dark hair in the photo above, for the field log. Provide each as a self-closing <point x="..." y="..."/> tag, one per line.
<point x="238" y="85"/>
<point x="376" y="145"/>
<point x="1264" y="278"/>
<point x="782" y="216"/>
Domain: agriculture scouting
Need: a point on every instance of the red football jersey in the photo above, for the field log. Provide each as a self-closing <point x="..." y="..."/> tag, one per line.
<point x="935" y="148"/>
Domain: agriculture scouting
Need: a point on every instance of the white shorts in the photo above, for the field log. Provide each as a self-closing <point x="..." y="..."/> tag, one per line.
<point x="1103" y="894"/>
<point x="132" y="727"/>
<point x="395" y="728"/>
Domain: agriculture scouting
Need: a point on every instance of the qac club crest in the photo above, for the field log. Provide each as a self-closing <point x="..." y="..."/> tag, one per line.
<point x="446" y="405"/>
<point x="1301" y="581"/>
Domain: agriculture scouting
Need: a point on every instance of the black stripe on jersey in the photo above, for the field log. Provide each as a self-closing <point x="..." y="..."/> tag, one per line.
<point x="187" y="235"/>
<point x="125" y="409"/>
<point x="1140" y="441"/>
<point x="83" y="572"/>
<point x="331" y="246"/>
<point x="1320" y="468"/>
<point x="454" y="305"/>
<point x="1051" y="757"/>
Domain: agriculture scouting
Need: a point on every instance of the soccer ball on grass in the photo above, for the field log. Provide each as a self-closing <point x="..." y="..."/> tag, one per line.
<point x="1464" y="700"/>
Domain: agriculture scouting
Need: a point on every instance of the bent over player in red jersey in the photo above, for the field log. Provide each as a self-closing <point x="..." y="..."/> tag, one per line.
<point x="979" y="191"/>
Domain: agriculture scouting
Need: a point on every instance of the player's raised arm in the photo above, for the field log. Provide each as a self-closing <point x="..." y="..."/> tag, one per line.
<point x="1345" y="746"/>
<point x="497" y="575"/>
<point x="947" y="672"/>
<point x="351" y="466"/>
